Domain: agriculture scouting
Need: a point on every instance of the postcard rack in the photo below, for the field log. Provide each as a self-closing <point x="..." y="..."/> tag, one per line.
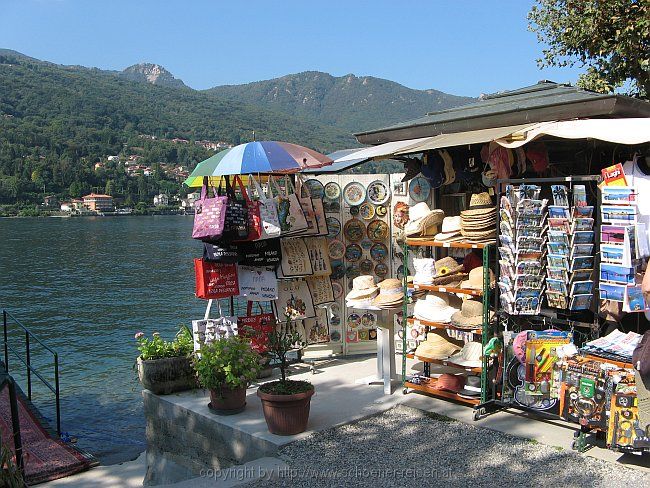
<point x="484" y="332"/>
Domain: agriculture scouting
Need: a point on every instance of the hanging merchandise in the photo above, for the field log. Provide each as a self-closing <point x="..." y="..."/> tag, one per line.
<point x="268" y="212"/>
<point x="332" y="191"/>
<point x="308" y="205"/>
<point x="377" y="230"/>
<point x="295" y="259"/>
<point x="354" y="230"/>
<point x="255" y="229"/>
<point x="336" y="249"/>
<point x="353" y="253"/>
<point x="320" y="288"/>
<point x="333" y="227"/>
<point x="221" y="253"/>
<point x="318" y="256"/>
<point x="209" y="216"/>
<point x="366" y="211"/>
<point x="294" y="294"/>
<point x="419" y="189"/>
<point x="257" y="327"/>
<point x="290" y="213"/>
<point x="215" y="280"/>
<point x="257" y="284"/>
<point x="235" y="227"/>
<point x="266" y="252"/>
<point x="354" y="194"/>
<point x="378" y="192"/>
<point x="316" y="329"/>
<point x="209" y="330"/>
<point x="311" y="188"/>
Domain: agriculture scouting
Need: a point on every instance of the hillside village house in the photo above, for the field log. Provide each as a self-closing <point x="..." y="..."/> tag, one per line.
<point x="50" y="201"/>
<point x="76" y="205"/>
<point x="98" y="203"/>
<point x="188" y="202"/>
<point x="160" y="200"/>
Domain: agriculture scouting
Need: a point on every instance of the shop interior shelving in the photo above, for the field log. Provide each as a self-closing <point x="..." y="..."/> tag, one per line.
<point x="428" y="384"/>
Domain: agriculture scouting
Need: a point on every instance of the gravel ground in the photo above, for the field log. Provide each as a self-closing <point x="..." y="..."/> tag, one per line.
<point x="409" y="447"/>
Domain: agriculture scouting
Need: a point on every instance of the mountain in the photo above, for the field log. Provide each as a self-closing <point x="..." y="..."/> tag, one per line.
<point x="353" y="103"/>
<point x="152" y="73"/>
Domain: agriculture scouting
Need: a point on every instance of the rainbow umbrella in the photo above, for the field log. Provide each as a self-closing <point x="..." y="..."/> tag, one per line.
<point x="258" y="157"/>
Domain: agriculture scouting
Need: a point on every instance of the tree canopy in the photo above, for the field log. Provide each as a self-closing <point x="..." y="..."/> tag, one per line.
<point x="610" y="38"/>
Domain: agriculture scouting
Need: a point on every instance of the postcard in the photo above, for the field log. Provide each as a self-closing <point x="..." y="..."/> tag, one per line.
<point x="582" y="274"/>
<point x="506" y="204"/>
<point x="558" y="274"/>
<point x="560" y="195"/>
<point x="583" y="212"/>
<point x="616" y="274"/>
<point x="558" y="236"/>
<point x="582" y="237"/>
<point x="528" y="192"/>
<point x="612" y="253"/>
<point x="630" y="243"/>
<point x="506" y="241"/>
<point x="530" y="220"/>
<point x="582" y="223"/>
<point x="610" y="291"/>
<point x="506" y="254"/>
<point x="558" y="212"/>
<point x="618" y="214"/>
<point x="634" y="300"/>
<point x="558" y="248"/>
<point x="582" y="250"/>
<point x="581" y="287"/>
<point x="559" y="225"/>
<point x="612" y="234"/>
<point x="526" y="243"/>
<point x="505" y="216"/>
<point x="579" y="196"/>
<point x="531" y="207"/>
<point x="506" y="230"/>
<point x="528" y="281"/>
<point x="557" y="261"/>
<point x="556" y="286"/>
<point x="533" y="267"/>
<point x="582" y="262"/>
<point x="530" y="231"/>
<point x="643" y="243"/>
<point x="581" y="302"/>
<point x="556" y="300"/>
<point x="506" y="269"/>
<point x="618" y="195"/>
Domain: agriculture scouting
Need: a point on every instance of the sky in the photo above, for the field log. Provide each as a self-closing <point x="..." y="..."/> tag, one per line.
<point x="463" y="47"/>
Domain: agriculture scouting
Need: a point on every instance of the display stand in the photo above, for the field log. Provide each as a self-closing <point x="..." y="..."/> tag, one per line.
<point x="484" y="331"/>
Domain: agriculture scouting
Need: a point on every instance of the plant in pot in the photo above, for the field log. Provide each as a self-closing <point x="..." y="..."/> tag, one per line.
<point x="285" y="402"/>
<point x="225" y="367"/>
<point x="165" y="367"/>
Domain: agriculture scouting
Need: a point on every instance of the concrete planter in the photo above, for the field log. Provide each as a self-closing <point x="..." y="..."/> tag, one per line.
<point x="286" y="414"/>
<point x="167" y="375"/>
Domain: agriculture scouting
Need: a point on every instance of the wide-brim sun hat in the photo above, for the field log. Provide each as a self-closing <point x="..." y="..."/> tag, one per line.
<point x="479" y="204"/>
<point x="450" y="228"/>
<point x="470" y="315"/>
<point x="472" y="388"/>
<point x="391" y="293"/>
<point x="469" y="356"/>
<point x="452" y="280"/>
<point x="363" y="287"/>
<point x="447" y="266"/>
<point x="475" y="279"/>
<point x="422" y="220"/>
<point x="436" y="347"/>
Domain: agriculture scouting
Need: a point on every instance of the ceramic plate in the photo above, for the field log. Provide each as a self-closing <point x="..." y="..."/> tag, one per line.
<point x="366" y="211"/>
<point x="332" y="191"/>
<point x="352" y="272"/>
<point x="372" y="334"/>
<point x="363" y="335"/>
<point x="353" y="252"/>
<point x="378" y="192"/>
<point x="354" y="230"/>
<point x="368" y="319"/>
<point x="338" y="290"/>
<point x="335" y="336"/>
<point x="331" y="206"/>
<point x="338" y="269"/>
<point x="354" y="193"/>
<point x="335" y="309"/>
<point x="381" y="210"/>
<point x="381" y="270"/>
<point x="378" y="252"/>
<point x="316" y="189"/>
<point x="366" y="243"/>
<point x="336" y="249"/>
<point x="335" y="320"/>
<point x="354" y="211"/>
<point x="366" y="266"/>
<point x="377" y="230"/>
<point x="419" y="189"/>
<point x="354" y="321"/>
<point x="333" y="227"/>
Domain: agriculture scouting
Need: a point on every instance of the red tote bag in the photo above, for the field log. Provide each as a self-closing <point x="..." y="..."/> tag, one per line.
<point x="254" y="217"/>
<point x="257" y="328"/>
<point x="215" y="280"/>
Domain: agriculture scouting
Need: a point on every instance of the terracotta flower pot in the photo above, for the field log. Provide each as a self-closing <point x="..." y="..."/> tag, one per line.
<point x="166" y="375"/>
<point x="286" y="414"/>
<point x="228" y="401"/>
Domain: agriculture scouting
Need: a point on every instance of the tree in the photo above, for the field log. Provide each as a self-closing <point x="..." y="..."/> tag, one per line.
<point x="610" y="38"/>
<point x="108" y="190"/>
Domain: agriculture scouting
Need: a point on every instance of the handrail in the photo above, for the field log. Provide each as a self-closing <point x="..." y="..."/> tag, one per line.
<point x="9" y="382"/>
<point x="28" y="364"/>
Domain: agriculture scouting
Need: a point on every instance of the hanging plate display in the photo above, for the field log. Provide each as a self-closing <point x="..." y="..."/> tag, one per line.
<point x="354" y="211"/>
<point x="338" y="269"/>
<point x="353" y="252"/>
<point x="336" y="249"/>
<point x="333" y="227"/>
<point x="368" y="320"/>
<point x="331" y="206"/>
<point x="332" y="191"/>
<point x="338" y="290"/>
<point x="377" y="230"/>
<point x="378" y="192"/>
<point x="335" y="309"/>
<point x="363" y="335"/>
<point x="352" y="272"/>
<point x="381" y="270"/>
<point x="419" y="189"/>
<point x="367" y="211"/>
<point x="366" y="266"/>
<point x="316" y="189"/>
<point x="354" y="193"/>
<point x="335" y="336"/>
<point x="381" y="210"/>
<point x="354" y="321"/>
<point x="354" y="230"/>
<point x="366" y="243"/>
<point x="379" y="252"/>
<point x="372" y="334"/>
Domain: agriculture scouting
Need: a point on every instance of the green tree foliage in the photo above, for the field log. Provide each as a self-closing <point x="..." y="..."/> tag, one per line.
<point x="610" y="38"/>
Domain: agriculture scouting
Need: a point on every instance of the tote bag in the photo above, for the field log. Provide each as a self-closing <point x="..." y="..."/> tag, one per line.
<point x="268" y="212"/>
<point x="253" y="211"/>
<point x="215" y="280"/>
<point x="290" y="214"/>
<point x="257" y="327"/>
<point x="209" y="330"/>
<point x="319" y="258"/>
<point x="313" y="208"/>
<point x="257" y="284"/>
<point x="209" y="216"/>
<point x="316" y="329"/>
<point x="294" y="294"/>
<point x="221" y="252"/>
<point x="267" y="252"/>
<point x="295" y="258"/>
<point x="236" y="222"/>
<point x="320" y="289"/>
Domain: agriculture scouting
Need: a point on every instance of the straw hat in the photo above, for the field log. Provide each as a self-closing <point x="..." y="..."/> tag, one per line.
<point x="450" y="229"/>
<point x="391" y="294"/>
<point x="470" y="315"/>
<point x="423" y="220"/>
<point x="434" y="308"/>
<point x="479" y="204"/>
<point x="424" y="270"/>
<point x="363" y="287"/>
<point x="447" y="266"/>
<point x="453" y="279"/>
<point x="469" y="356"/>
<point x="436" y="347"/>
<point x="475" y="280"/>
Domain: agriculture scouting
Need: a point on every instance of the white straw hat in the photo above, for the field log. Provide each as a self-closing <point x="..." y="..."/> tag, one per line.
<point x="363" y="287"/>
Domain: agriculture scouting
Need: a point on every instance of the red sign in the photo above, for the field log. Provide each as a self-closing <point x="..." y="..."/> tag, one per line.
<point x="614" y="175"/>
<point x="215" y="280"/>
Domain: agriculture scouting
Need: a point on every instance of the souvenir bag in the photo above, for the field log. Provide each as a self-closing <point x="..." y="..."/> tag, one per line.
<point x="267" y="252"/>
<point x="290" y="214"/>
<point x="257" y="327"/>
<point x="236" y="224"/>
<point x="320" y="288"/>
<point x="318" y="209"/>
<point x="316" y="329"/>
<point x="295" y="259"/>
<point x="295" y="295"/>
<point x="221" y="252"/>
<point x="307" y="205"/>
<point x="257" y="284"/>
<point x="209" y="330"/>
<point x="253" y="210"/>
<point x="318" y="251"/>
<point x="268" y="212"/>
<point x="215" y="280"/>
<point x="209" y="215"/>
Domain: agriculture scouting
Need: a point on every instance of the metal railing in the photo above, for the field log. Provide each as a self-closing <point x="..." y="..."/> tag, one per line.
<point x="27" y="361"/>
<point x="8" y="381"/>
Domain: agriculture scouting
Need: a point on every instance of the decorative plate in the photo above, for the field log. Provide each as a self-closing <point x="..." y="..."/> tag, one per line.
<point x="372" y="334"/>
<point x="333" y="227"/>
<point x="366" y="266"/>
<point x="381" y="210"/>
<point x="335" y="336"/>
<point x="351" y="336"/>
<point x="332" y="191"/>
<point x="337" y="289"/>
<point x="316" y="189"/>
<point x="353" y="252"/>
<point x="419" y="189"/>
<point x="335" y="320"/>
<point x="354" y="193"/>
<point x="366" y="244"/>
<point x="335" y="309"/>
<point x="354" y="320"/>
<point x="378" y="192"/>
<point x="363" y="335"/>
<point x="352" y="272"/>
<point x="331" y="206"/>
<point x="338" y="269"/>
<point x="368" y="319"/>
<point x="354" y="211"/>
<point x="354" y="230"/>
<point x="381" y="270"/>
<point x="377" y="230"/>
<point x="336" y="249"/>
<point x="367" y="211"/>
<point x="379" y="252"/>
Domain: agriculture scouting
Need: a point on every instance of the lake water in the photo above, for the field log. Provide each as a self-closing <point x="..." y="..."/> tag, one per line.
<point x="85" y="286"/>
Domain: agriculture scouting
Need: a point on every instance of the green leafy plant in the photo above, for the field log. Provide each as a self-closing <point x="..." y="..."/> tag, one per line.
<point x="159" y="348"/>
<point x="228" y="362"/>
<point x="9" y="473"/>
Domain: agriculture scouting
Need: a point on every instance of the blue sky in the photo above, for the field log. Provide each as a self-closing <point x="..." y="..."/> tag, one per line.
<point x="464" y="47"/>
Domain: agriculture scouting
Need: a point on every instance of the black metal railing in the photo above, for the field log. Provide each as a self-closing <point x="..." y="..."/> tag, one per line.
<point x="8" y="318"/>
<point x="8" y="381"/>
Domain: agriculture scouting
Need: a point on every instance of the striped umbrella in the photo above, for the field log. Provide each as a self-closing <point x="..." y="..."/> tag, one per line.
<point x="258" y="157"/>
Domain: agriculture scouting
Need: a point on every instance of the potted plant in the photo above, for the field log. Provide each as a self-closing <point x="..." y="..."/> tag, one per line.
<point x="165" y="367"/>
<point x="285" y="402"/>
<point x="225" y="367"/>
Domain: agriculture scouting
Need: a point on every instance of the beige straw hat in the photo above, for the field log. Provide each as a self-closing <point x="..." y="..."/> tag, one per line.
<point x="470" y="315"/>
<point x="479" y="204"/>
<point x="422" y="220"/>
<point x="475" y="280"/>
<point x="363" y="287"/>
<point x="447" y="266"/>
<point x="391" y="294"/>
<point x="436" y="347"/>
